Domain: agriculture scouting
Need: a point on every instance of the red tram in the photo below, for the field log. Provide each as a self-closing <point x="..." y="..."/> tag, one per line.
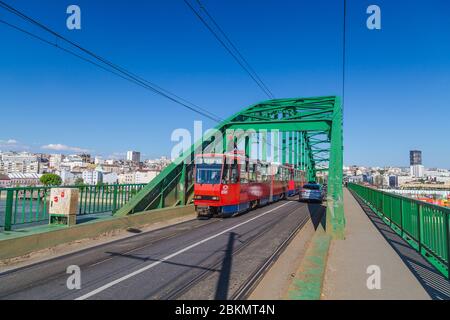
<point x="229" y="184"/>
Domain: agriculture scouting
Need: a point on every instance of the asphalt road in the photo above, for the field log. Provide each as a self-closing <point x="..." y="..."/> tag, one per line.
<point x="198" y="259"/>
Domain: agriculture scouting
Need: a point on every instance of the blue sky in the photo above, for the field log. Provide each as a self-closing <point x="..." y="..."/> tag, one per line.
<point x="398" y="78"/>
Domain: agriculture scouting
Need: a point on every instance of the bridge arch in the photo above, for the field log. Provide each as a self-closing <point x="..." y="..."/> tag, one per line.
<point x="304" y="132"/>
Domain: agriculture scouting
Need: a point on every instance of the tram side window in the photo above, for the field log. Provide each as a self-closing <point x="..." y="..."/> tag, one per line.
<point x="284" y="174"/>
<point x="226" y="173"/>
<point x="234" y="173"/>
<point x="252" y="172"/>
<point x="230" y="173"/>
<point x="258" y="173"/>
<point x="264" y="172"/>
<point x="244" y="173"/>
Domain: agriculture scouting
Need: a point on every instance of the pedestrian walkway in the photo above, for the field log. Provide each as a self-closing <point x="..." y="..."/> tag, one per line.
<point x="370" y="243"/>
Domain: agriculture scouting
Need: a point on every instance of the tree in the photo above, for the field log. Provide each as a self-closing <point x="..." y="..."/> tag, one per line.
<point x="51" y="179"/>
<point x="79" y="182"/>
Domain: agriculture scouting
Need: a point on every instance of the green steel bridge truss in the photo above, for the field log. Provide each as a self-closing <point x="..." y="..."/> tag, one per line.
<point x="304" y="132"/>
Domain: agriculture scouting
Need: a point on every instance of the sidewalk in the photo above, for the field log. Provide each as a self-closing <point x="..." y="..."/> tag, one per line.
<point x="346" y="272"/>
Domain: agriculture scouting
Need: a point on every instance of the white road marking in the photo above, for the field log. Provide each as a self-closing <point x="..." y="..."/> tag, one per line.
<point x="154" y="264"/>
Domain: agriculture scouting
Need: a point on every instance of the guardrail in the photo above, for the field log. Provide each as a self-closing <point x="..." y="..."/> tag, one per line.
<point x="425" y="226"/>
<point x="29" y="205"/>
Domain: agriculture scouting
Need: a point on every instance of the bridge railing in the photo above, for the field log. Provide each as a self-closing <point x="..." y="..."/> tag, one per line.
<point x="425" y="226"/>
<point x="27" y="206"/>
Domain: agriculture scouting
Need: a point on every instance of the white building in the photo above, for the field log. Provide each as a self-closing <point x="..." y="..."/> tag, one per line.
<point x="69" y="178"/>
<point x="55" y="161"/>
<point x="99" y="160"/>
<point x="144" y="176"/>
<point x="110" y="178"/>
<point x="92" y="177"/>
<point x="73" y="161"/>
<point x="355" y="179"/>
<point x="126" y="178"/>
<point x="445" y="180"/>
<point x="417" y="171"/>
<point x="435" y="173"/>
<point x="134" y="156"/>
<point x="24" y="162"/>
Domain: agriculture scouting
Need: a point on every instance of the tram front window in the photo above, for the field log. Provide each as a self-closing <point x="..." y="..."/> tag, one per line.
<point x="208" y="173"/>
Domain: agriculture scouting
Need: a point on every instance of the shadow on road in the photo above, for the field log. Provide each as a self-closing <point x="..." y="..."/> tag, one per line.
<point x="225" y="271"/>
<point x="316" y="211"/>
<point x="317" y="214"/>
<point x="145" y="259"/>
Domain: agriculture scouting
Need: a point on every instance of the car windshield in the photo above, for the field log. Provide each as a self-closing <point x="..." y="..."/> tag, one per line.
<point x="311" y="187"/>
<point x="208" y="173"/>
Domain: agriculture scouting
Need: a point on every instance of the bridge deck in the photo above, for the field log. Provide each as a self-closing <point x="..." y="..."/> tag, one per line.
<point x="405" y="274"/>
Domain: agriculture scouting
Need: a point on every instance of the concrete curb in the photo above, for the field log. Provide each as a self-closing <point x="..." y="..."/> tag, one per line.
<point x="308" y="281"/>
<point x="22" y="245"/>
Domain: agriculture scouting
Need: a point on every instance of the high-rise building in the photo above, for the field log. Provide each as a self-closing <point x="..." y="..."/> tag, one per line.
<point x="415" y="157"/>
<point x="393" y="181"/>
<point x="134" y="156"/>
<point x="415" y="160"/>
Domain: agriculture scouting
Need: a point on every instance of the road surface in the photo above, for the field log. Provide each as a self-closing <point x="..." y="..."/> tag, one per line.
<point x="197" y="259"/>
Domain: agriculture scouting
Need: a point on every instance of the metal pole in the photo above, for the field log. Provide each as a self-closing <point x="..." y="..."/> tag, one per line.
<point x="114" y="206"/>
<point x="283" y="148"/>
<point x="447" y="223"/>
<point x="295" y="149"/>
<point x="419" y="226"/>
<point x="264" y="145"/>
<point x="182" y="184"/>
<point x="291" y="144"/>
<point x="302" y="151"/>
<point x="9" y="207"/>
<point x="275" y="144"/>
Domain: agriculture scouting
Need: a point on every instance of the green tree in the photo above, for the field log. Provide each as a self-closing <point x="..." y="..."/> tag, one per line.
<point x="50" y="179"/>
<point x="79" y="182"/>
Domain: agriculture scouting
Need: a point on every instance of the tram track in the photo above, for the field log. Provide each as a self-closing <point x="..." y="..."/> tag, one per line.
<point x="256" y="276"/>
<point x="245" y="290"/>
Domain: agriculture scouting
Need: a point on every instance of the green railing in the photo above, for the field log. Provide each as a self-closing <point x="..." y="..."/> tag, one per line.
<point x="425" y="226"/>
<point x="29" y="205"/>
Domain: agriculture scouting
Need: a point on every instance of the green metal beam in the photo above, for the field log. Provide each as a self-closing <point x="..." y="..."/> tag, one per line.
<point x="284" y="126"/>
<point x="335" y="197"/>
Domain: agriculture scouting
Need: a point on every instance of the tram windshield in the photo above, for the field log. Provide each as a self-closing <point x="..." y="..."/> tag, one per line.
<point x="208" y="173"/>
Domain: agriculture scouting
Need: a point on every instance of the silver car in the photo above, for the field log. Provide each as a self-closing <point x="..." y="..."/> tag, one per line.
<point x="312" y="192"/>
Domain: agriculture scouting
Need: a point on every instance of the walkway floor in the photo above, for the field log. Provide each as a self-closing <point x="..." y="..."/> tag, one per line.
<point x="369" y="242"/>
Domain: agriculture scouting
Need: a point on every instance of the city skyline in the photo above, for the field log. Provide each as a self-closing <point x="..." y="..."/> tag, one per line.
<point x="377" y="79"/>
<point x="123" y="157"/>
